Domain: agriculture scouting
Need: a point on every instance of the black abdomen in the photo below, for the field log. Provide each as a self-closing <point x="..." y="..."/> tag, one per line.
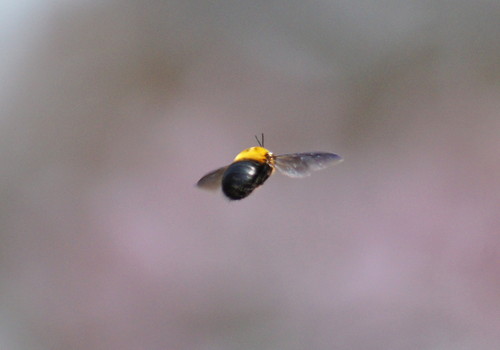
<point x="241" y="178"/>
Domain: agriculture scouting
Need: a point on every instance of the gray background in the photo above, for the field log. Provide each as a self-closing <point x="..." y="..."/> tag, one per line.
<point x="111" y="111"/>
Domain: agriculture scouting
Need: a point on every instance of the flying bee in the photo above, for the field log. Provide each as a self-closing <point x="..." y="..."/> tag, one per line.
<point x="253" y="166"/>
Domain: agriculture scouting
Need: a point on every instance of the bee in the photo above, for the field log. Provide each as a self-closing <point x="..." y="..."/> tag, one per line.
<point x="253" y="166"/>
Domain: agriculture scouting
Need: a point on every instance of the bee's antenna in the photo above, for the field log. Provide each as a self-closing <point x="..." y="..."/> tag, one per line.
<point x="261" y="143"/>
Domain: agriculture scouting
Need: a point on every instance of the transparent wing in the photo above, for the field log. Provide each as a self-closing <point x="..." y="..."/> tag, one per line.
<point x="303" y="164"/>
<point x="212" y="180"/>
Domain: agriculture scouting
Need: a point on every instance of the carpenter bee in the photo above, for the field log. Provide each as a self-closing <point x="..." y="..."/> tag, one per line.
<point x="253" y="166"/>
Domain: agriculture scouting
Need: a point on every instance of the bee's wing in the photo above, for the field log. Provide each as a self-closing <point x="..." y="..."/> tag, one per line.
<point x="302" y="164"/>
<point x="212" y="180"/>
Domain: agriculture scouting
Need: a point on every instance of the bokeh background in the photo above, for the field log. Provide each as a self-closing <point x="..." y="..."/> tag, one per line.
<point x="112" y="110"/>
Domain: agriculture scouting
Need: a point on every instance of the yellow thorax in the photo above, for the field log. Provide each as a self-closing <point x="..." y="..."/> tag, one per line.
<point x="259" y="154"/>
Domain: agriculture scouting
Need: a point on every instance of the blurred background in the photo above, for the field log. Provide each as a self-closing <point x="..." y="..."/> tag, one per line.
<point x="111" y="111"/>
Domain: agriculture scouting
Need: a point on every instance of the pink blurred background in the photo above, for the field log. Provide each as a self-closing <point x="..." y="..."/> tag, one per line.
<point x="111" y="111"/>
